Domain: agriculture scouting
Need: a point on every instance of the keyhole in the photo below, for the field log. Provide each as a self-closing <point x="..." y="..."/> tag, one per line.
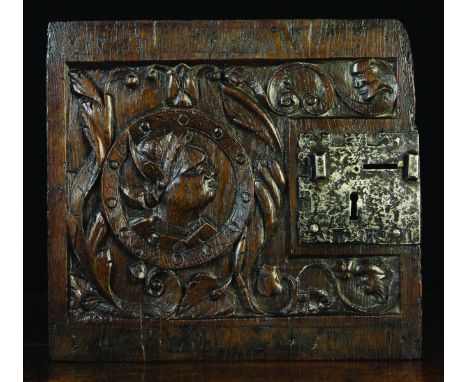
<point x="353" y="197"/>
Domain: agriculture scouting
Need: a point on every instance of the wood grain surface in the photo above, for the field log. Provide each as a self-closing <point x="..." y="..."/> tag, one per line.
<point x="233" y="190"/>
<point x="37" y="369"/>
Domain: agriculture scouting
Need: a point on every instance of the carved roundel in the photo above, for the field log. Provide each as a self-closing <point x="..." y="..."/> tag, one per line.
<point x="177" y="188"/>
<point x="300" y="90"/>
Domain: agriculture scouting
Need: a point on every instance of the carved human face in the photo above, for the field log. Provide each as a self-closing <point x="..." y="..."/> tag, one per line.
<point x="180" y="179"/>
<point x="366" y="79"/>
<point x="194" y="186"/>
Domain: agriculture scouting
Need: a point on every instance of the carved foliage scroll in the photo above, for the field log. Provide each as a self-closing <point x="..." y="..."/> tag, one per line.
<point x="300" y="90"/>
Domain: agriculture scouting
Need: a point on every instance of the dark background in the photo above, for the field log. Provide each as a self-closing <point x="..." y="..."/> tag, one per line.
<point x="424" y="23"/>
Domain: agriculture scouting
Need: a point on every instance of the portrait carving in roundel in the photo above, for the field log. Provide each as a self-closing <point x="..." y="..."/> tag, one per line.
<point x="177" y="189"/>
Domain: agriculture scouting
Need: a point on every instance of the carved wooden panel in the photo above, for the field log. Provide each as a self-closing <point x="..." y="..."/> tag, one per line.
<point x="245" y="191"/>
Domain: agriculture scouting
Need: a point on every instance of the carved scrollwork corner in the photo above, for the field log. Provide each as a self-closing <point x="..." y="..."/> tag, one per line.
<point x="85" y="300"/>
<point x="161" y="284"/>
<point x="359" y="285"/>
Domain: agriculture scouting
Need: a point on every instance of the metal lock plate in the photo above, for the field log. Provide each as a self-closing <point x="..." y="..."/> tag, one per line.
<point x="358" y="188"/>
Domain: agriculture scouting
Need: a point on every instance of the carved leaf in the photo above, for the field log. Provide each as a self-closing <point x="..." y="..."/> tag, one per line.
<point x="239" y="254"/>
<point x="224" y="306"/>
<point x="273" y="188"/>
<point x="243" y="110"/>
<point x="95" y="133"/>
<point x="268" y="193"/>
<point x="242" y="285"/>
<point x="91" y="302"/>
<point x="204" y="297"/>
<point x="313" y="301"/>
<point x="108" y="126"/>
<point x="84" y="180"/>
<point x="343" y="269"/>
<point x="147" y="168"/>
<point x="96" y="231"/>
<point x="268" y="208"/>
<point x="237" y="76"/>
<point x="84" y="86"/>
<point x="270" y="283"/>
<point x="78" y="288"/>
<point x="97" y="113"/>
<point x="278" y="174"/>
<point x="156" y="157"/>
<point x="99" y="262"/>
<point x="130" y="78"/>
<point x="375" y="276"/>
<point x="101" y="266"/>
<point x="201" y="284"/>
<point x="269" y="188"/>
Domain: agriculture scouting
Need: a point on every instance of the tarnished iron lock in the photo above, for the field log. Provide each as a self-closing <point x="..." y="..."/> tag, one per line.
<point x="358" y="188"/>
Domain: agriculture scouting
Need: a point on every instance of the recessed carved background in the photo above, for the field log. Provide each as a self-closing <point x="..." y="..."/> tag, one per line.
<point x="178" y="190"/>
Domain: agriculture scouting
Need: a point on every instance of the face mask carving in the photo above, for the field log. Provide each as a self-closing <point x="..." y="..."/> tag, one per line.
<point x="372" y="77"/>
<point x="179" y="182"/>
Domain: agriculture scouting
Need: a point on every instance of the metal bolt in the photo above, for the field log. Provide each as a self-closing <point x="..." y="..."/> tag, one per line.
<point x="145" y="127"/>
<point x="314" y="228"/>
<point x="111" y="202"/>
<point x="114" y="164"/>
<point x="183" y="119"/>
<point x="131" y="80"/>
<point x="218" y="133"/>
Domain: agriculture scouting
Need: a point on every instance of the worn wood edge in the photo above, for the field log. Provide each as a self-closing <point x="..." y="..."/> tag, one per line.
<point x="286" y="27"/>
<point x="397" y="341"/>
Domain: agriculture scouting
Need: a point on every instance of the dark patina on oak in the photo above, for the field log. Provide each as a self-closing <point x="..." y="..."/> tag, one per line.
<point x="233" y="190"/>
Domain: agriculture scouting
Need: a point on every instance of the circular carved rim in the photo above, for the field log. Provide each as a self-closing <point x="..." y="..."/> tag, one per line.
<point x="228" y="233"/>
